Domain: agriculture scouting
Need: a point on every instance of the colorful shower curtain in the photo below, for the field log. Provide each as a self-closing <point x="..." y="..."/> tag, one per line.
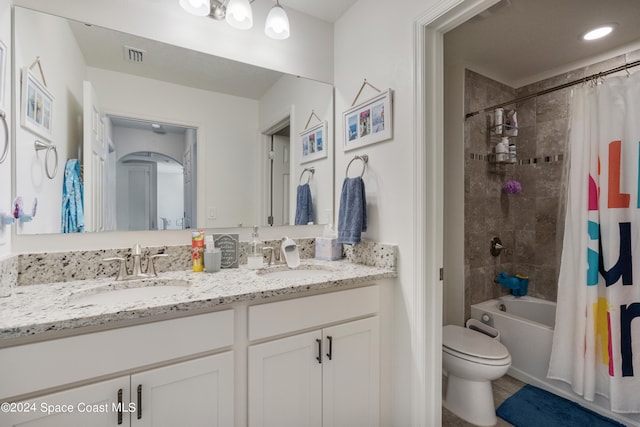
<point x="596" y="344"/>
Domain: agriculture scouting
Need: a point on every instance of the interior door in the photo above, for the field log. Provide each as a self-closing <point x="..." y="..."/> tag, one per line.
<point x="94" y="156"/>
<point x="137" y="196"/>
<point x="281" y="181"/>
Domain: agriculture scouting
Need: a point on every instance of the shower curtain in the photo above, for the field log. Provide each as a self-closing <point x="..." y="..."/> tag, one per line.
<point x="596" y="344"/>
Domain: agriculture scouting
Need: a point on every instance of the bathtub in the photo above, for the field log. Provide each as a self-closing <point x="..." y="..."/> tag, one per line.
<point x="526" y="328"/>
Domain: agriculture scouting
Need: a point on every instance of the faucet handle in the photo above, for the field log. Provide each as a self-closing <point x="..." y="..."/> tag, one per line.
<point x="271" y="251"/>
<point x="151" y="267"/>
<point x="136" y="249"/>
<point x="122" y="270"/>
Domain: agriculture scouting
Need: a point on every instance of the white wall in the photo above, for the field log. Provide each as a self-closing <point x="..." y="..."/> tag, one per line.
<point x="64" y="70"/>
<point x="170" y="191"/>
<point x="227" y="137"/>
<point x="5" y="105"/>
<point x="299" y="97"/>
<point x="373" y="44"/>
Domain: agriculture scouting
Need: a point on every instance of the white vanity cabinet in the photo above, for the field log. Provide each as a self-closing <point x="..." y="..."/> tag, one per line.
<point x="194" y="393"/>
<point x="167" y="383"/>
<point x="329" y="376"/>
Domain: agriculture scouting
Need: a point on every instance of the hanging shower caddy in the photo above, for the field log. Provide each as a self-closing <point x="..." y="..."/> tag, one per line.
<point x="503" y="125"/>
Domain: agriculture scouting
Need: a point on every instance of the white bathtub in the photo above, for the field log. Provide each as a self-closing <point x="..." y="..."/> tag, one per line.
<point x="526" y="329"/>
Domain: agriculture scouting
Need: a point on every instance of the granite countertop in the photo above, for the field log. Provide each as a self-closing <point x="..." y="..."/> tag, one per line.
<point x="37" y="310"/>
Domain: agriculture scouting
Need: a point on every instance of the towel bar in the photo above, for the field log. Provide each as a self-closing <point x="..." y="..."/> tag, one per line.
<point x="311" y="171"/>
<point x="5" y="150"/>
<point x="364" y="158"/>
<point x="40" y="145"/>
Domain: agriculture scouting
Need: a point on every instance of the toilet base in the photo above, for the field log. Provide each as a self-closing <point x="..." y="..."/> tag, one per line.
<point x="471" y="400"/>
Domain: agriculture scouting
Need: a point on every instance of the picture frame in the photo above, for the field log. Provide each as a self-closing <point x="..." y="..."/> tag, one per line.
<point x="313" y="143"/>
<point x="3" y="68"/>
<point x="369" y="122"/>
<point x="36" y="105"/>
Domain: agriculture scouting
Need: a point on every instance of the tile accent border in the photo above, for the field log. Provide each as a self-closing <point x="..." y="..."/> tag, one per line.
<point x="532" y="161"/>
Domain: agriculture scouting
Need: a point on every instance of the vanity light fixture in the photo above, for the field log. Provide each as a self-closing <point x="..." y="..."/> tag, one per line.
<point x="239" y="15"/>
<point x="599" y="32"/>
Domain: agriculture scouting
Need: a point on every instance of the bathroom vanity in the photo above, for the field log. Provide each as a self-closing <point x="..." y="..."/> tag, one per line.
<point x="239" y="347"/>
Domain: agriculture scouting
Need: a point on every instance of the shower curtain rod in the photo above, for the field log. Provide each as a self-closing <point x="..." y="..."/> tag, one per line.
<point x="555" y="88"/>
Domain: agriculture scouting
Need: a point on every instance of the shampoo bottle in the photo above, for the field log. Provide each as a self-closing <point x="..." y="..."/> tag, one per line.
<point x="255" y="257"/>
<point x="502" y="150"/>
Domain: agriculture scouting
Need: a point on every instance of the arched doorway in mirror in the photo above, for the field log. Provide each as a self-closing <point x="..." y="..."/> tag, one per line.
<point x="154" y="170"/>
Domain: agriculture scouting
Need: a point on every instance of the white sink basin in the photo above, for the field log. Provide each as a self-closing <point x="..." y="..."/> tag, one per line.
<point x="118" y="293"/>
<point x="301" y="272"/>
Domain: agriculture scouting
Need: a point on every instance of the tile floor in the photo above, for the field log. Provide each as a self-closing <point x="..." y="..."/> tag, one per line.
<point x="503" y="388"/>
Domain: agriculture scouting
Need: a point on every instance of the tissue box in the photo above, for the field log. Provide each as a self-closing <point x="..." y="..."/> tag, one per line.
<point x="328" y="249"/>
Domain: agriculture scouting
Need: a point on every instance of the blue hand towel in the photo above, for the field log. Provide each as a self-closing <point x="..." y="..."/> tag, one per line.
<point x="72" y="199"/>
<point x="304" y="205"/>
<point x="352" y="216"/>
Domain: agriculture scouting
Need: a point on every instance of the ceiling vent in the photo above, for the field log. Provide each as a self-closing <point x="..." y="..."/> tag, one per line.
<point x="133" y="54"/>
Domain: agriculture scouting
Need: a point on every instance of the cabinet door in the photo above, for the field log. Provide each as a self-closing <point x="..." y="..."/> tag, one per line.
<point x="285" y="382"/>
<point x="103" y="404"/>
<point x="351" y="374"/>
<point x="194" y="393"/>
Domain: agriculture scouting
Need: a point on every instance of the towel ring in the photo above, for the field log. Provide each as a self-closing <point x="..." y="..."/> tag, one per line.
<point x="311" y="171"/>
<point x="39" y="145"/>
<point x="5" y="150"/>
<point x="365" y="160"/>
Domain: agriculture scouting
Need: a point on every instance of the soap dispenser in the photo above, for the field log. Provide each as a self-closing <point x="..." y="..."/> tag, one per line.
<point x="255" y="257"/>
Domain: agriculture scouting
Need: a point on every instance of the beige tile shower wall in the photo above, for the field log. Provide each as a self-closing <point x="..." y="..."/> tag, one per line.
<point x="487" y="210"/>
<point x="530" y="224"/>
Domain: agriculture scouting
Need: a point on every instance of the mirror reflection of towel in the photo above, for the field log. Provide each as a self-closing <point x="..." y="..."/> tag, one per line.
<point x="72" y="199"/>
<point x="352" y="217"/>
<point x="304" y="205"/>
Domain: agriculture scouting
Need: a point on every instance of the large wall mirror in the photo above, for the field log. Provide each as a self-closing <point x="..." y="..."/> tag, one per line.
<point x="163" y="137"/>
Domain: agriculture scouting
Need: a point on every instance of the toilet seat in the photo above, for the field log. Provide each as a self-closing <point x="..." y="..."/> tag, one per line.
<point x="474" y="346"/>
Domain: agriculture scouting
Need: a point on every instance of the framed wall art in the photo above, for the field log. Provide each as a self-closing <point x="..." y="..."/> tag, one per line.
<point x="37" y="106"/>
<point x="369" y="122"/>
<point x="313" y="143"/>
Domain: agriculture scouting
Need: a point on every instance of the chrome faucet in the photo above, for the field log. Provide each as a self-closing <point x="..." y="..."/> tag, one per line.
<point x="274" y="255"/>
<point x="137" y="273"/>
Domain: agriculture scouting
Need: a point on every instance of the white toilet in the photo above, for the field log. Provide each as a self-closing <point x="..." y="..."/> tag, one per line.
<point x="472" y="360"/>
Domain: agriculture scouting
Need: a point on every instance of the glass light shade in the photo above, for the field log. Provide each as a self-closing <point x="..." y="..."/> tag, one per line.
<point x="239" y="14"/>
<point x="277" y="25"/>
<point x="196" y="7"/>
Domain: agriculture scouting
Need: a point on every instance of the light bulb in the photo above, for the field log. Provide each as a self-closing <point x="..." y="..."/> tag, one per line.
<point x="239" y="14"/>
<point x="277" y="25"/>
<point x="196" y="7"/>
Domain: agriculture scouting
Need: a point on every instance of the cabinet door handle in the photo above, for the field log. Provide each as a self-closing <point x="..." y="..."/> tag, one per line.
<point x="139" y="401"/>
<point x="319" y="356"/>
<point x="120" y="407"/>
<point x="330" y="339"/>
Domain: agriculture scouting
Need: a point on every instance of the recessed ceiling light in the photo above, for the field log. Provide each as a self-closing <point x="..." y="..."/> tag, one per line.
<point x="598" y="33"/>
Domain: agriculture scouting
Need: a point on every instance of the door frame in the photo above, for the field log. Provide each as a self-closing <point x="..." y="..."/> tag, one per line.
<point x="428" y="149"/>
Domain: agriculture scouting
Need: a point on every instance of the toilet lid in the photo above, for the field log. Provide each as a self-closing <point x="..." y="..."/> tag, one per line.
<point x="466" y="341"/>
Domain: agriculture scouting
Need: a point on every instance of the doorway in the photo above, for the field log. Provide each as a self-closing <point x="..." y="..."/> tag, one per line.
<point x="278" y="174"/>
<point x="154" y="170"/>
